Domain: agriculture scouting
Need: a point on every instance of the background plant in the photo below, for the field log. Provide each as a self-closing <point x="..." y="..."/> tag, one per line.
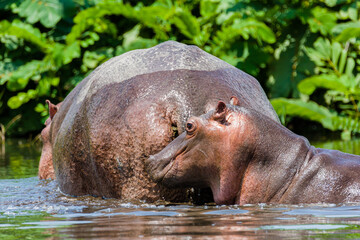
<point x="330" y="95"/>
<point x="48" y="46"/>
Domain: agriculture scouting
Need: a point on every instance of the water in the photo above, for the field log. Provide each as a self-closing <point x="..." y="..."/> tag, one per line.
<point x="33" y="209"/>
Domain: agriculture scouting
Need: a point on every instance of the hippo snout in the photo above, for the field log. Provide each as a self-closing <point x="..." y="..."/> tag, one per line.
<point x="154" y="166"/>
<point x="158" y="165"/>
<point x="150" y="164"/>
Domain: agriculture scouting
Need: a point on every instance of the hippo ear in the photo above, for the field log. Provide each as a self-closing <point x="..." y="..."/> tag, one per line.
<point x="221" y="108"/>
<point x="220" y="111"/>
<point x="52" y="109"/>
<point x="234" y="101"/>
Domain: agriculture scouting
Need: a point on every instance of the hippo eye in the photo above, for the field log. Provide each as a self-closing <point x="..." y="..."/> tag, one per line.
<point x="190" y="127"/>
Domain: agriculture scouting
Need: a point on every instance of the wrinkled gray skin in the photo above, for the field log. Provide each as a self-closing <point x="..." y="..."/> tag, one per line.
<point x="246" y="157"/>
<point x="132" y="106"/>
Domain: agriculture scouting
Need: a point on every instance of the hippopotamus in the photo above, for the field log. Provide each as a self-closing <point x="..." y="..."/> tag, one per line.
<point x="246" y="157"/>
<point x="46" y="168"/>
<point x="132" y="106"/>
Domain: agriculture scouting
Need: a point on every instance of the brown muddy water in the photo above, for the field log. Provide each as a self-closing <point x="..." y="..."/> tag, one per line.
<point x="33" y="209"/>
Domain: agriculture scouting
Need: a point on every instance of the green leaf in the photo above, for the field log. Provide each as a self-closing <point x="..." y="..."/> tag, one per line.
<point x="310" y="84"/>
<point x="346" y="31"/>
<point x="19" y="78"/>
<point x="342" y="61"/>
<point x="208" y="7"/>
<point x="339" y="28"/>
<point x="331" y="3"/>
<point x="314" y="112"/>
<point x="24" y="31"/>
<point x="254" y="28"/>
<point x="70" y="52"/>
<point x="306" y="110"/>
<point x="16" y="101"/>
<point x="40" y="108"/>
<point x="133" y="41"/>
<point x="335" y="53"/>
<point x="186" y="23"/>
<point x="322" y="21"/>
<point x="93" y="59"/>
<point x="323" y="46"/>
<point x="10" y="42"/>
<point x="43" y="87"/>
<point x="349" y="11"/>
<point x="64" y="54"/>
<point x="330" y="58"/>
<point x="350" y="65"/>
<point x="48" y="12"/>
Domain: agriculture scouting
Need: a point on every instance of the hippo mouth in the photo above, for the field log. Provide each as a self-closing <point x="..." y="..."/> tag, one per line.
<point x="160" y="164"/>
<point x="159" y="168"/>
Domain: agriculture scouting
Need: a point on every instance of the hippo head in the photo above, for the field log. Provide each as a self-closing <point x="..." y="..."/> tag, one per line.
<point x="46" y="169"/>
<point x="213" y="152"/>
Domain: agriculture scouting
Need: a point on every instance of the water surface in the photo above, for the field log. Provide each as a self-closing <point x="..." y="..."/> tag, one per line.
<point x="33" y="209"/>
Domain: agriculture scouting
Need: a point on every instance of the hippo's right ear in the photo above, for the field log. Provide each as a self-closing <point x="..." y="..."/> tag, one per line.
<point x="52" y="109"/>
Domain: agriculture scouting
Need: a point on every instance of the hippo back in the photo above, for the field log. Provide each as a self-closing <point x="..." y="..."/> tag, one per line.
<point x="132" y="106"/>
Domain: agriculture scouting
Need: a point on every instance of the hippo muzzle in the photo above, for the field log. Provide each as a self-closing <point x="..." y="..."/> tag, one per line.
<point x="159" y="165"/>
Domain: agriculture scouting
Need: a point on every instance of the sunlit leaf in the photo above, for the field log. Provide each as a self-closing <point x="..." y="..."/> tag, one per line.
<point x="314" y="112"/>
<point x="48" y="12"/>
<point x="186" y="23"/>
<point x="310" y="84"/>
<point x="331" y="3"/>
<point x="24" y="31"/>
<point x="133" y="41"/>
<point x="306" y="110"/>
<point x="346" y="31"/>
<point x="208" y="7"/>
<point x="18" y="79"/>
<point x="254" y="28"/>
<point x="322" y="21"/>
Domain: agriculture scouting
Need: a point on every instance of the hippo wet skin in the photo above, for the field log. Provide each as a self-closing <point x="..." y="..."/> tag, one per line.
<point x="132" y="106"/>
<point x="46" y="168"/>
<point x="246" y="157"/>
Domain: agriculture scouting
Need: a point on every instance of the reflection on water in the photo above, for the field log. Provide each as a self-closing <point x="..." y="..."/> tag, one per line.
<point x="352" y="146"/>
<point x="33" y="209"/>
<point x="20" y="159"/>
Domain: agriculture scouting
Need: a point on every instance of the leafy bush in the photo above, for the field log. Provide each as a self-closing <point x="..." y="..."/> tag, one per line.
<point x="49" y="46"/>
<point x="336" y="73"/>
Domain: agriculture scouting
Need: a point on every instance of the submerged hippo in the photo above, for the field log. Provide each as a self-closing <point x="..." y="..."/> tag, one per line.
<point x="247" y="157"/>
<point x="132" y="106"/>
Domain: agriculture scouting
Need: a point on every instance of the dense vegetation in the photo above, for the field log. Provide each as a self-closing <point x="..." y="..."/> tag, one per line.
<point x="305" y="53"/>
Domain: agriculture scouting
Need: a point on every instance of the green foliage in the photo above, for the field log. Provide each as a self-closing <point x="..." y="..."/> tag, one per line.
<point x="329" y="87"/>
<point x="292" y="47"/>
<point x="337" y="75"/>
